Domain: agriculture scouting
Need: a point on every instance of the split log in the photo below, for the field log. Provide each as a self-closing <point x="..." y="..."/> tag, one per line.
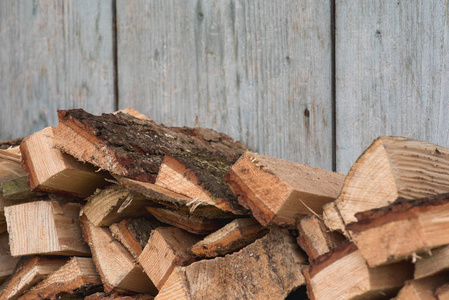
<point x="45" y="227"/>
<point x="5" y="144"/>
<point x="422" y="289"/>
<point x="333" y="220"/>
<point x="29" y="272"/>
<point x="273" y="259"/>
<point x="118" y="271"/>
<point x="315" y="239"/>
<point x="114" y="203"/>
<point x="432" y="263"/>
<point x="18" y="189"/>
<point x="279" y="191"/>
<point x="7" y="262"/>
<point x="170" y="199"/>
<point x="103" y="296"/>
<point x="134" y="148"/>
<point x="51" y="171"/>
<point x="10" y="169"/>
<point x="190" y="223"/>
<point x="230" y="238"/>
<point x="442" y="292"/>
<point x="344" y="274"/>
<point x="167" y="248"/>
<point x="392" y="168"/>
<point x="402" y="229"/>
<point x="74" y="280"/>
<point x="134" y="233"/>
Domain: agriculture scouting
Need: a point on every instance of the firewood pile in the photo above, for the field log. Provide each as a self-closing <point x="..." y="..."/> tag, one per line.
<point x="119" y="207"/>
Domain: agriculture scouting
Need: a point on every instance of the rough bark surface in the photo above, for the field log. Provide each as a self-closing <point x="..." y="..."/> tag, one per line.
<point x="135" y="148"/>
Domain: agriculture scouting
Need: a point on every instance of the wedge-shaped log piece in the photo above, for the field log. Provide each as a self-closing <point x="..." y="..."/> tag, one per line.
<point x="333" y="220"/>
<point x="315" y="238"/>
<point x="392" y="168"/>
<point x="269" y="268"/>
<point x="230" y="238"/>
<point x="279" y="191"/>
<point x="118" y="270"/>
<point x="176" y="176"/>
<point x="134" y="233"/>
<point x="422" y="289"/>
<point x="402" y="229"/>
<point x="7" y="262"/>
<point x="170" y="199"/>
<point x="114" y="203"/>
<point x="51" y="170"/>
<point x="343" y="274"/>
<point x="134" y="148"/>
<point x="442" y="292"/>
<point x="167" y="248"/>
<point x="45" y="227"/>
<point x="184" y="220"/>
<point x="432" y="263"/>
<point x="74" y="280"/>
<point x="30" y="271"/>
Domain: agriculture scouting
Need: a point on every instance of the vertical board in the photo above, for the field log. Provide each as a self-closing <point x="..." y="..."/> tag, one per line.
<point x="53" y="55"/>
<point x="392" y="72"/>
<point x="259" y="71"/>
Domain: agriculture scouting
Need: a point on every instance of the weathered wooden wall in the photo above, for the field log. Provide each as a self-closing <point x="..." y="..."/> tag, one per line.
<point x="53" y="55"/>
<point x="261" y="71"/>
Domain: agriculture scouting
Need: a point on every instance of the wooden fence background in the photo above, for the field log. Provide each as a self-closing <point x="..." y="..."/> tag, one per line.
<point x="309" y="81"/>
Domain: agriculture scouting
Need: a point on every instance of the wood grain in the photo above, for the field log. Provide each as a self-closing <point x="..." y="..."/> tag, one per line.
<point x="54" y="55"/>
<point x="391" y="73"/>
<point x="258" y="71"/>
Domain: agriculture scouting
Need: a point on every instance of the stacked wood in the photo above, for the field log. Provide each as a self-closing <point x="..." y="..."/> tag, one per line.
<point x="120" y="207"/>
<point x="240" y="275"/>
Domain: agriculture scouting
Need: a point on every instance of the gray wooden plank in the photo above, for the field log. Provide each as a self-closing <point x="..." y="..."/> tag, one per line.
<point x="259" y="71"/>
<point x="53" y="55"/>
<point x="392" y="73"/>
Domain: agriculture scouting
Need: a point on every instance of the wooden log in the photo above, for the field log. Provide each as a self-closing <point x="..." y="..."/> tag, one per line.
<point x="392" y="168"/>
<point x="174" y="175"/>
<point x="134" y="233"/>
<point x="344" y="274"/>
<point x="10" y="169"/>
<point x="18" y="189"/>
<point x="50" y="170"/>
<point x="114" y="203"/>
<point x="432" y="263"/>
<point x="442" y="292"/>
<point x="315" y="238"/>
<point x="45" y="227"/>
<point x="269" y="268"/>
<point x="173" y="200"/>
<point x="117" y="268"/>
<point x="402" y="229"/>
<point x="7" y="262"/>
<point x="184" y="220"/>
<point x="279" y="191"/>
<point x="422" y="289"/>
<point x="230" y="238"/>
<point x="74" y="280"/>
<point x="167" y="248"/>
<point x="5" y="144"/>
<point x="104" y="296"/>
<point x="29" y="272"/>
<point x="333" y="220"/>
<point x="132" y="147"/>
